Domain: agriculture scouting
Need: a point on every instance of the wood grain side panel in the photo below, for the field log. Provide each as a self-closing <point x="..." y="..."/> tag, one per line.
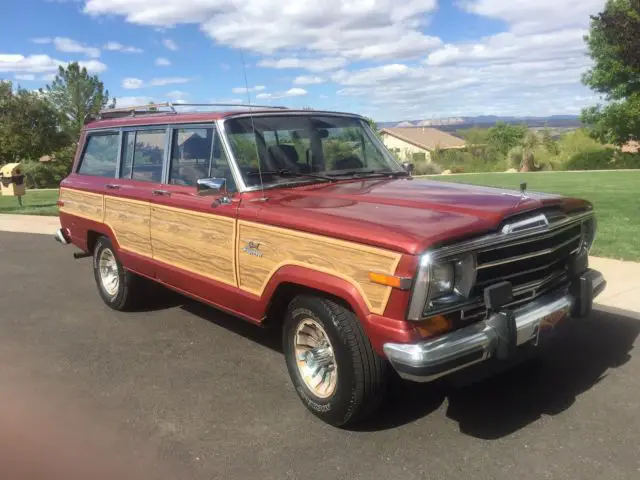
<point x="278" y="247"/>
<point x="129" y="220"/>
<point x="197" y="242"/>
<point x="82" y="204"/>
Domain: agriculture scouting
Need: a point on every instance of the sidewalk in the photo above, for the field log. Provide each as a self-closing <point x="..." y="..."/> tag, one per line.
<point x="623" y="278"/>
<point x="29" y="224"/>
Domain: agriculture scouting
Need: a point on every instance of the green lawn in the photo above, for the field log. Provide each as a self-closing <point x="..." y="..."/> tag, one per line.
<point x="615" y="196"/>
<point x="35" y="202"/>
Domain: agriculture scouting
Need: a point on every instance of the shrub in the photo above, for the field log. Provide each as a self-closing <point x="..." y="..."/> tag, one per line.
<point x="591" y="160"/>
<point x="426" y="168"/>
<point x="49" y="174"/>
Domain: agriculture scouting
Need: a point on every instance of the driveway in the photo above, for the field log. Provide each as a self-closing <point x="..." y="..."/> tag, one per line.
<point x="182" y="391"/>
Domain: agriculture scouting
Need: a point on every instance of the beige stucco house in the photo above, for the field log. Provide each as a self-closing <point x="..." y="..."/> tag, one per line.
<point x="417" y="143"/>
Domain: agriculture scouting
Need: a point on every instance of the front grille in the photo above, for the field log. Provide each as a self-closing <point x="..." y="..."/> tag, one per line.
<point x="534" y="262"/>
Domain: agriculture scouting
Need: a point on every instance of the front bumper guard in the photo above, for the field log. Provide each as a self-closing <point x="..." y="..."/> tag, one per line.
<point x="430" y="359"/>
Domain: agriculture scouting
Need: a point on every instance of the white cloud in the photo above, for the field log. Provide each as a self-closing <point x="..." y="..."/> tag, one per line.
<point x="177" y="96"/>
<point x="170" y="44"/>
<point x="292" y="92"/>
<point x="163" y="62"/>
<point x="132" y="83"/>
<point x="308" y="80"/>
<point x="527" y="16"/>
<point x="131" y="101"/>
<point x="69" y="45"/>
<point x="93" y="66"/>
<point x="118" y="47"/>
<point x="311" y="64"/>
<point x="159" y="82"/>
<point x="42" y="64"/>
<point x="363" y="29"/>
<point x="27" y="77"/>
<point x="257" y="88"/>
<point x="225" y="66"/>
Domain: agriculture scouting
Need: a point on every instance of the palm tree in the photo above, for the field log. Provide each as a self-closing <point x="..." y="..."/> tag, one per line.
<point x="529" y="144"/>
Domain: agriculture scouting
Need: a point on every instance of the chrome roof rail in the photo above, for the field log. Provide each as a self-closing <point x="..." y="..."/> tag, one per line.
<point x="169" y="107"/>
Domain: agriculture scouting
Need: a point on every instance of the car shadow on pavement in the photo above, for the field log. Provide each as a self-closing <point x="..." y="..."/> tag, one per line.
<point x="265" y="336"/>
<point x="578" y="359"/>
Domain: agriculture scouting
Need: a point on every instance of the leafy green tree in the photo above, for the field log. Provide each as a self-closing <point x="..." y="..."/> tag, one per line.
<point x="29" y="126"/>
<point x="548" y="142"/>
<point x="373" y="125"/>
<point x="614" y="45"/>
<point x="503" y="137"/>
<point x="76" y="96"/>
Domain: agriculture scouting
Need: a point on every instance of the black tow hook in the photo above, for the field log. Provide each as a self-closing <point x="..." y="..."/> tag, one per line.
<point x="78" y="255"/>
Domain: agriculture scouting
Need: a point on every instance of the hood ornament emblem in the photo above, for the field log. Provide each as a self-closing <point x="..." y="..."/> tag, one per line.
<point x="522" y="195"/>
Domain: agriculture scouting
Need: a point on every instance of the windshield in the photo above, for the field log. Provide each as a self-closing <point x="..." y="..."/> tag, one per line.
<point x="306" y="148"/>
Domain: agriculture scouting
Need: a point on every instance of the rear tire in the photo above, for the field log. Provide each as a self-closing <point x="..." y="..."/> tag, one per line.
<point x="332" y="364"/>
<point x="119" y="288"/>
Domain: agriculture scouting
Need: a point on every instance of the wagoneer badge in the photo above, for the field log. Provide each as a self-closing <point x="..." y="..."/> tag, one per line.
<point x="252" y="248"/>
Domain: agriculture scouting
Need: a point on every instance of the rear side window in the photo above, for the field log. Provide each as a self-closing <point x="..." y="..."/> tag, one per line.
<point x="100" y="155"/>
<point x="143" y="155"/>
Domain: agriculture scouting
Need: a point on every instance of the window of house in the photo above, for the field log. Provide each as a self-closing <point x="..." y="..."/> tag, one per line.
<point x="100" y="155"/>
<point x="143" y="155"/>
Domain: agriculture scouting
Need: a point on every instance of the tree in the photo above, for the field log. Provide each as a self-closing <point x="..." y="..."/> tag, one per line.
<point x="614" y="46"/>
<point x="548" y="142"/>
<point x="503" y="136"/>
<point x="77" y="96"/>
<point x="529" y="144"/>
<point x="28" y="125"/>
<point x="373" y="125"/>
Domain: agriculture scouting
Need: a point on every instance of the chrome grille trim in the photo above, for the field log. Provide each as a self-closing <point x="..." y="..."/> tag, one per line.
<point x="526" y="256"/>
<point x="495" y="240"/>
<point x="554" y="270"/>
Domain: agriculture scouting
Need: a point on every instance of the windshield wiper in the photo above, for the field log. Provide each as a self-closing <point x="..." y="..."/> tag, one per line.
<point x="285" y="172"/>
<point x="368" y="173"/>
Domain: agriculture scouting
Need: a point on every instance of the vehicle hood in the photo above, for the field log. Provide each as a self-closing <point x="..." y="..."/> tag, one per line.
<point x="405" y="214"/>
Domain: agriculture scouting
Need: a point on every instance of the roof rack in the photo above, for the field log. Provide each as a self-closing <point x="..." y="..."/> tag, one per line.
<point x="168" y="107"/>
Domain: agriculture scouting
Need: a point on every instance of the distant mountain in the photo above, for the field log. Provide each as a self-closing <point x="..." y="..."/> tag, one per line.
<point x="456" y="123"/>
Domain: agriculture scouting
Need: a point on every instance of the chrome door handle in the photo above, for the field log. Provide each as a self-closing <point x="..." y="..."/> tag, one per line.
<point x="112" y="186"/>
<point x="162" y="193"/>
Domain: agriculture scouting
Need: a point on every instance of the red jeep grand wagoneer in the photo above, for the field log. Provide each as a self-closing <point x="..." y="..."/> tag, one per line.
<point x="303" y="219"/>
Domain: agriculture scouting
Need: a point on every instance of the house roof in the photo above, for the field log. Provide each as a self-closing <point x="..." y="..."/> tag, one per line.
<point x="425" y="137"/>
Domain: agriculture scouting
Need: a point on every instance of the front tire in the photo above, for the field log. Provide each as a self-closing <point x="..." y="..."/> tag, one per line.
<point x="119" y="288"/>
<point x="332" y="364"/>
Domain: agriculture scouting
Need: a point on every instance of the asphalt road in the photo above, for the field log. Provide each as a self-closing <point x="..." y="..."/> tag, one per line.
<point x="182" y="391"/>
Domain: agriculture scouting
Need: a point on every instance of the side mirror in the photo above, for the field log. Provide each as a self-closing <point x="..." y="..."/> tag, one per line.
<point x="408" y="166"/>
<point x="211" y="186"/>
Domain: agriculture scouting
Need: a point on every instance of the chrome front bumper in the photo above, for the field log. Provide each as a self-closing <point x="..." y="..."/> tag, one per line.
<point x="425" y="361"/>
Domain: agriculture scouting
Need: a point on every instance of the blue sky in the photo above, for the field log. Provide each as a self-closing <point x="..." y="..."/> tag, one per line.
<point x="389" y="59"/>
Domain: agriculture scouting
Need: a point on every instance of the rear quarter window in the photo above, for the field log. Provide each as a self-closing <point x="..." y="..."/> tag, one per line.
<point x="100" y="155"/>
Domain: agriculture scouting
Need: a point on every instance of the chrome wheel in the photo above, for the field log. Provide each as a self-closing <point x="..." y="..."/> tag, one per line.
<point x="109" y="277"/>
<point x="315" y="358"/>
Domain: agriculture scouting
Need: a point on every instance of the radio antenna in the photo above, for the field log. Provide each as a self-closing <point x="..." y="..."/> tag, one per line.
<point x="253" y="128"/>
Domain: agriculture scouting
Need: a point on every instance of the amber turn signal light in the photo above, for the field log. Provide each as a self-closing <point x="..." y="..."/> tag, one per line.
<point x="390" y="280"/>
<point x="434" y="326"/>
